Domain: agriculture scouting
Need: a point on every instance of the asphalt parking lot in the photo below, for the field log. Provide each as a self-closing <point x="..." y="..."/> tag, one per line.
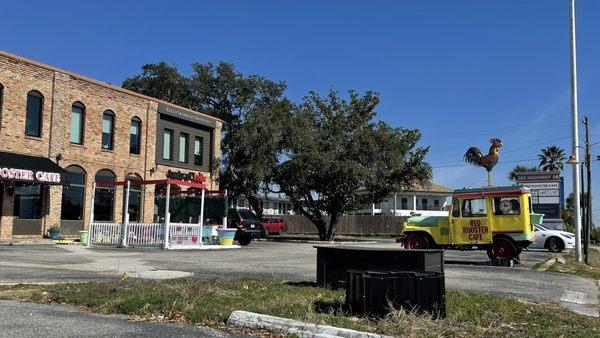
<point x="276" y="260"/>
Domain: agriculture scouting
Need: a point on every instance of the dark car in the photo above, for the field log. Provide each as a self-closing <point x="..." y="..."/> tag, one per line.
<point x="246" y="222"/>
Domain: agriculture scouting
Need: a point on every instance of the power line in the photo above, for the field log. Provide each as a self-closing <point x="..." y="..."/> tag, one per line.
<point x="469" y="165"/>
<point x="497" y="130"/>
<point x="535" y="145"/>
<point x="511" y="150"/>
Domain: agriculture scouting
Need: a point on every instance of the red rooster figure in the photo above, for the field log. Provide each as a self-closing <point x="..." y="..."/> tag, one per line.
<point x="475" y="157"/>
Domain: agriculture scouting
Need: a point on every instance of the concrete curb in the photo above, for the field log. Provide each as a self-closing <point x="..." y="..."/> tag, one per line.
<point x="319" y="242"/>
<point x="295" y="327"/>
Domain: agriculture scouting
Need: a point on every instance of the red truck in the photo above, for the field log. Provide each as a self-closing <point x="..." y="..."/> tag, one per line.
<point x="273" y="225"/>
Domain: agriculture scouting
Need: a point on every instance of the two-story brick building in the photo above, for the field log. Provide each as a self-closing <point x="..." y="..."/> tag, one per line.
<point x="60" y="132"/>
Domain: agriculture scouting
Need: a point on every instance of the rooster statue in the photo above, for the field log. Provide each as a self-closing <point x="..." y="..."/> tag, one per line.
<point x="475" y="157"/>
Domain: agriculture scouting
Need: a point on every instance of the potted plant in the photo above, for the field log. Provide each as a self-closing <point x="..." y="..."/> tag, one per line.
<point x="53" y="231"/>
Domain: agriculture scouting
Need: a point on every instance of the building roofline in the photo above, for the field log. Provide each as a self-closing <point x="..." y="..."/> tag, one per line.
<point x="100" y="83"/>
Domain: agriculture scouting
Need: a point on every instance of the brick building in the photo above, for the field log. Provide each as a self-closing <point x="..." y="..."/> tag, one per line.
<point x="60" y="132"/>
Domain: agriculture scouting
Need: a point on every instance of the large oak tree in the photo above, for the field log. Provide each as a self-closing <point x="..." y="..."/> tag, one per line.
<point x="337" y="159"/>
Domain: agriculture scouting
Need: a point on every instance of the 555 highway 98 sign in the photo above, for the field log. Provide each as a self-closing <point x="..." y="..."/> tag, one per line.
<point x="545" y="191"/>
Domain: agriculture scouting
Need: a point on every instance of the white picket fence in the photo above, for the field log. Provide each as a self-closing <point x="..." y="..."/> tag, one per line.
<point x="181" y="235"/>
<point x="108" y="234"/>
<point x="145" y="234"/>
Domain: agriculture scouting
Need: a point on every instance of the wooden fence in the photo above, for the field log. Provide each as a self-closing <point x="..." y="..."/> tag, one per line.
<point x="348" y="224"/>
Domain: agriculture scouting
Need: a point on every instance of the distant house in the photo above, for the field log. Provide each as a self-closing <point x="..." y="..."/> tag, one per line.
<point x="429" y="200"/>
<point x="272" y="205"/>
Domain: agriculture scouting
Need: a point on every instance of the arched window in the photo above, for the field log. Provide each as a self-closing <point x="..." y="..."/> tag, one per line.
<point x="104" y="201"/>
<point x="1" y="99"/>
<point x="73" y="197"/>
<point x="77" y="122"/>
<point x="135" y="136"/>
<point x="108" y="126"/>
<point x="33" y="114"/>
<point x="135" y="199"/>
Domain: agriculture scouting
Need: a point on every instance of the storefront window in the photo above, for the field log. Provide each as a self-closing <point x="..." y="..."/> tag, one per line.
<point x="104" y="200"/>
<point x="73" y="194"/>
<point x="135" y="136"/>
<point x="135" y="200"/>
<point x="33" y="114"/>
<point x="28" y="201"/>
<point x="77" y="116"/>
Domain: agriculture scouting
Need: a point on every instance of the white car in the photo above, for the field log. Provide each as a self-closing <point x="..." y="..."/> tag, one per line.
<point x="553" y="240"/>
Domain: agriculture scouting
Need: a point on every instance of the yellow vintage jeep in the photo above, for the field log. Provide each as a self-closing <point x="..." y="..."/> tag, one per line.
<point x="497" y="219"/>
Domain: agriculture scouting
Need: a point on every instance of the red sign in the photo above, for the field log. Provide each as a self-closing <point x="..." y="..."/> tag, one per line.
<point x="191" y="176"/>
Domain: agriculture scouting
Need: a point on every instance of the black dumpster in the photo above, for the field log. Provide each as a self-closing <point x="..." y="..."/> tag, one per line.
<point x="333" y="261"/>
<point x="374" y="292"/>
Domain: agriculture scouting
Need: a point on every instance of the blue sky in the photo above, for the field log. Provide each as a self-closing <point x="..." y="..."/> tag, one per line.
<point x="461" y="71"/>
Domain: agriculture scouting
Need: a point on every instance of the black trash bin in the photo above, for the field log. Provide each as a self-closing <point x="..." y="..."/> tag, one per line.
<point x="371" y="292"/>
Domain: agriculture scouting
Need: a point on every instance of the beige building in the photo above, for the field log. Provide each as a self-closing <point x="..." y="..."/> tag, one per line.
<point x="60" y="132"/>
<point x="427" y="200"/>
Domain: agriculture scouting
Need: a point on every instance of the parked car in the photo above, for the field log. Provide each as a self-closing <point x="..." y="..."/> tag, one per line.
<point x="246" y="222"/>
<point x="273" y="225"/>
<point x="553" y="240"/>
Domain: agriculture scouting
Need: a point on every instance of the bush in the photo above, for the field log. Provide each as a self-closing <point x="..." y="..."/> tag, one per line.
<point x="595" y="235"/>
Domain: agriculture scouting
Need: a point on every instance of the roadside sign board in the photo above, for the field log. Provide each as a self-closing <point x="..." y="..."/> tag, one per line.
<point x="545" y="191"/>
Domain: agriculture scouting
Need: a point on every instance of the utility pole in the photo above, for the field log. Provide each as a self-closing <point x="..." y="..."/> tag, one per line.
<point x="575" y="135"/>
<point x="588" y="198"/>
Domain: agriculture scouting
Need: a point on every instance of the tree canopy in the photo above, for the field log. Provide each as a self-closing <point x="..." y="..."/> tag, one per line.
<point x="337" y="158"/>
<point x="551" y="158"/>
<point x="248" y="105"/>
<point x="512" y="175"/>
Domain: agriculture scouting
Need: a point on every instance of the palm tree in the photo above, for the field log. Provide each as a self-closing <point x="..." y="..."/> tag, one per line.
<point x="551" y="159"/>
<point x="512" y="175"/>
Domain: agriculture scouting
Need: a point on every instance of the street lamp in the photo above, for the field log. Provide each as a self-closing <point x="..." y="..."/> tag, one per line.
<point x="575" y="131"/>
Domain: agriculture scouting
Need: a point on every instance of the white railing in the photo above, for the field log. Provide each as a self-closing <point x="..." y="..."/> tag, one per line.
<point x="145" y="234"/>
<point x="106" y="234"/>
<point x="185" y="235"/>
<point x="180" y="235"/>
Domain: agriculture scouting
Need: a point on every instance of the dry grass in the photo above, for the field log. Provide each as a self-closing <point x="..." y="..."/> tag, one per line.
<point x="574" y="267"/>
<point x="209" y="302"/>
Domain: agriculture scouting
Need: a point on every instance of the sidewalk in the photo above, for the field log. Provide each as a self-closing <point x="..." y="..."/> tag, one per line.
<point x="34" y="241"/>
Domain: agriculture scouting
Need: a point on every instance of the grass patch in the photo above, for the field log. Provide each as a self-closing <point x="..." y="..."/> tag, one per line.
<point x="209" y="302"/>
<point x="574" y="267"/>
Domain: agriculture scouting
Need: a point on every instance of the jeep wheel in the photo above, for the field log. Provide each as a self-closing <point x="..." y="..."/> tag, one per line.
<point x="502" y="248"/>
<point x="555" y="244"/>
<point x="417" y="241"/>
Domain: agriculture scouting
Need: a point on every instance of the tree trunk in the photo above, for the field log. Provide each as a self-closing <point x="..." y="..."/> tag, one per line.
<point x="318" y="221"/>
<point x="254" y="203"/>
<point x="333" y="221"/>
